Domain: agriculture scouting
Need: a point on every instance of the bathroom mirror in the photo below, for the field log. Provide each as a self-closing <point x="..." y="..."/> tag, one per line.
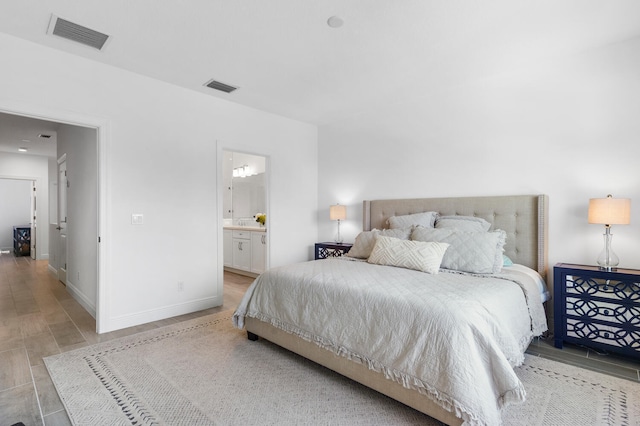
<point x="244" y="187"/>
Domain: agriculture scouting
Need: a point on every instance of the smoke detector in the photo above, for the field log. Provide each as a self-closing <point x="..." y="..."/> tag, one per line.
<point x="75" y="32"/>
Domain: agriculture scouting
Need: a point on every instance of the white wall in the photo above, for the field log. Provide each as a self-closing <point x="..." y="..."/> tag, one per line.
<point x="161" y="161"/>
<point x="79" y="145"/>
<point x="31" y="167"/>
<point x="15" y="208"/>
<point x="568" y="128"/>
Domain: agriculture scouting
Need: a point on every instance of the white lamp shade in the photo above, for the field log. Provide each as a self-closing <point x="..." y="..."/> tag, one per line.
<point x="338" y="212"/>
<point x="610" y="211"/>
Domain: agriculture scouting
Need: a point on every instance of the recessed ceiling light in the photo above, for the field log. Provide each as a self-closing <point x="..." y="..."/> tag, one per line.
<point x="26" y="140"/>
<point x="335" y="21"/>
<point x="22" y="149"/>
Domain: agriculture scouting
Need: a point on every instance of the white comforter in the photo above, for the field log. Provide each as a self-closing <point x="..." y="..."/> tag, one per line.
<point x="453" y="337"/>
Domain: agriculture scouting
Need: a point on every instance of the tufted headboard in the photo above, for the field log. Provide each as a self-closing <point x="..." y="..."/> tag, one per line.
<point x="522" y="217"/>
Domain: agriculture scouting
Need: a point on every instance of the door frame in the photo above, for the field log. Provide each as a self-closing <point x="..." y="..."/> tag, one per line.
<point x="34" y="220"/>
<point x="37" y="182"/>
<point x="62" y="277"/>
<point x="101" y="125"/>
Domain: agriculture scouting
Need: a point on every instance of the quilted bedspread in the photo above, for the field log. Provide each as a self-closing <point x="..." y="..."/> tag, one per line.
<point x="453" y="337"/>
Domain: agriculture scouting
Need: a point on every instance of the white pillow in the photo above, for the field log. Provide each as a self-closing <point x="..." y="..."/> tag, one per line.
<point x="417" y="255"/>
<point x="426" y="219"/>
<point x="366" y="240"/>
<point x="464" y="223"/>
<point x="476" y="252"/>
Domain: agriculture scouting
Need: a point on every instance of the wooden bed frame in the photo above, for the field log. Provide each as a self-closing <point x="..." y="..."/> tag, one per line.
<point x="523" y="217"/>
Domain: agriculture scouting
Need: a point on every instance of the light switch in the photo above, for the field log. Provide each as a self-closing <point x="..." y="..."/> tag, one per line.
<point x="137" y="219"/>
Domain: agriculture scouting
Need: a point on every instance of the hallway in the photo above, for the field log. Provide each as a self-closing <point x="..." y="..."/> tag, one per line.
<point x="38" y="318"/>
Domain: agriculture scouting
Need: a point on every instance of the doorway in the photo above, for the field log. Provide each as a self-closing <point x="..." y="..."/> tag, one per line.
<point x="18" y="211"/>
<point x="99" y="128"/>
<point x="245" y="219"/>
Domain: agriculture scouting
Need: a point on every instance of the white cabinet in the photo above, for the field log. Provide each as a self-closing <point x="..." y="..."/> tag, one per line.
<point x="242" y="250"/>
<point x="227" y="247"/>
<point x="258" y="252"/>
<point x="245" y="250"/>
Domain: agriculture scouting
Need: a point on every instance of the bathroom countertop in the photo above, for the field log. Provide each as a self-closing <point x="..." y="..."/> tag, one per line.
<point x="246" y="228"/>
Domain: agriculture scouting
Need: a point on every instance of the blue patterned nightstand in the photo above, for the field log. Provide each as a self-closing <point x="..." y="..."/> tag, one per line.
<point x="597" y="308"/>
<point x="324" y="250"/>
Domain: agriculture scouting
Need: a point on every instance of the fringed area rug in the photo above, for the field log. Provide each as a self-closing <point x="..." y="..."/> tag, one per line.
<point x="205" y="372"/>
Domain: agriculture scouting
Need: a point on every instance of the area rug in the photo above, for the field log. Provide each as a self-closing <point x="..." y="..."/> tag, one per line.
<point x="205" y="372"/>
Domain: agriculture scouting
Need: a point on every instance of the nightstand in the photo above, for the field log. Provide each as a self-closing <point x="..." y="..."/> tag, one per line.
<point x="597" y="308"/>
<point x="324" y="250"/>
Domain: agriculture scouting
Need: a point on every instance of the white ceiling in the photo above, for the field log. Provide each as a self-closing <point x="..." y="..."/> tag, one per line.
<point x="288" y="61"/>
<point x="23" y="132"/>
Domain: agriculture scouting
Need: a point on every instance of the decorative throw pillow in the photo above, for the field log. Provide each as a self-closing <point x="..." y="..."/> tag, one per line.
<point x="417" y="255"/>
<point x="426" y="219"/>
<point x="476" y="252"/>
<point x="366" y="240"/>
<point x="464" y="223"/>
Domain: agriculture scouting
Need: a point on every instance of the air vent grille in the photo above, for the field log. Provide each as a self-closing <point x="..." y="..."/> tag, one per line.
<point x="44" y="136"/>
<point x="78" y="33"/>
<point x="214" y="84"/>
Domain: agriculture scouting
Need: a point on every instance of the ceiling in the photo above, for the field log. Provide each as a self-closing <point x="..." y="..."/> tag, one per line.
<point x="23" y="132"/>
<point x="288" y="61"/>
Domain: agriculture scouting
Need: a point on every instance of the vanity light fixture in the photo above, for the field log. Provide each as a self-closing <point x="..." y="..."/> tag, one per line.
<point x="338" y="212"/>
<point x="609" y="211"/>
<point x="242" y="171"/>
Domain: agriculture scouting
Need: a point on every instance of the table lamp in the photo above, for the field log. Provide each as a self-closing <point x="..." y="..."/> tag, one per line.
<point x="609" y="211"/>
<point x="338" y="212"/>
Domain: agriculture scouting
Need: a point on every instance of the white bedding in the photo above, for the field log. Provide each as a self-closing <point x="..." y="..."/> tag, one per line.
<point x="545" y="295"/>
<point x="453" y="337"/>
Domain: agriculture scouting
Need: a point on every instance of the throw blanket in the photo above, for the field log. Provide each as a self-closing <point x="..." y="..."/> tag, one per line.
<point x="453" y="337"/>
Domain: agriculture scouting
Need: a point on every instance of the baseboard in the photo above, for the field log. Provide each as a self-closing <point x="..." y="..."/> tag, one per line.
<point x="152" y="315"/>
<point x="52" y="270"/>
<point x="87" y="304"/>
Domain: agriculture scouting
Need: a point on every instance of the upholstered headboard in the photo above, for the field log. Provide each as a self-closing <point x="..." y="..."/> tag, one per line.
<point x="522" y="217"/>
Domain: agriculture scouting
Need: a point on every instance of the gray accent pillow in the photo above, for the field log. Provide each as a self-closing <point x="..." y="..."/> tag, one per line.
<point x="426" y="219"/>
<point x="367" y="239"/>
<point x="476" y="252"/>
<point x="417" y="255"/>
<point x="464" y="223"/>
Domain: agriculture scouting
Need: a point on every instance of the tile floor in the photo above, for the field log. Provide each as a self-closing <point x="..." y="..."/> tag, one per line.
<point x="39" y="318"/>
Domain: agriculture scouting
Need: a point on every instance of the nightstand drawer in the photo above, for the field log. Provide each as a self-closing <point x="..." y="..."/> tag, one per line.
<point x="605" y="334"/>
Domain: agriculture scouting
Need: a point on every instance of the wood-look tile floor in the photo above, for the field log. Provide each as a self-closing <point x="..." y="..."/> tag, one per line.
<point x="39" y="318"/>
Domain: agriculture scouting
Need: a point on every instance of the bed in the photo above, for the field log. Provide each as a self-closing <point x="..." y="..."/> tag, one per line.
<point x="451" y="359"/>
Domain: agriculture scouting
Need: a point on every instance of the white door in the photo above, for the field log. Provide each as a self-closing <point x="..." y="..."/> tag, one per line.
<point x="62" y="219"/>
<point x="34" y="216"/>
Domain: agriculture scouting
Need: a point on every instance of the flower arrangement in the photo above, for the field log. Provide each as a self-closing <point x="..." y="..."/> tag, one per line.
<point x="261" y="218"/>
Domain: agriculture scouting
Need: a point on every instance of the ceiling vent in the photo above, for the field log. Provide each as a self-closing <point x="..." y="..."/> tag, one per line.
<point x="78" y="33"/>
<point x="220" y="86"/>
<point x="44" y="136"/>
